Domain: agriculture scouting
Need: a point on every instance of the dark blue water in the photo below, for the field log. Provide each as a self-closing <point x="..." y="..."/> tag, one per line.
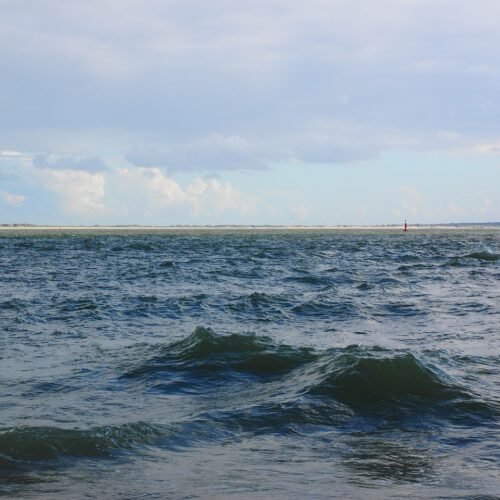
<point x="250" y="364"/>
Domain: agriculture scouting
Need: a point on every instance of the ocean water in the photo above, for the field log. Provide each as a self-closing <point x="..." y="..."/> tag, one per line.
<point x="247" y="364"/>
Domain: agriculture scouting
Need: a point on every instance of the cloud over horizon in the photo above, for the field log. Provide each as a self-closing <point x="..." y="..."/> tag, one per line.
<point x="223" y="87"/>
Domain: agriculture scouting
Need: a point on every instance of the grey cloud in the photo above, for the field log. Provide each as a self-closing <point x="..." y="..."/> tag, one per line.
<point x="217" y="153"/>
<point x="259" y="70"/>
<point x="214" y="152"/>
<point x="88" y="164"/>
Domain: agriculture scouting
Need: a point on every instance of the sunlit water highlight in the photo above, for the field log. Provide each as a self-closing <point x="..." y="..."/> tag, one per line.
<point x="276" y="364"/>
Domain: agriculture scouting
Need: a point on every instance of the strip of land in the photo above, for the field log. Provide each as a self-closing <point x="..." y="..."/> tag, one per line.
<point x="34" y="229"/>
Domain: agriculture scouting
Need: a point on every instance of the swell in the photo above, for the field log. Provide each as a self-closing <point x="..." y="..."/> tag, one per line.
<point x="261" y="306"/>
<point x="205" y="351"/>
<point x="23" y="445"/>
<point x="365" y="380"/>
<point x="325" y="307"/>
<point x="368" y="376"/>
<point x="485" y="255"/>
<point x="286" y="390"/>
<point x="144" y="246"/>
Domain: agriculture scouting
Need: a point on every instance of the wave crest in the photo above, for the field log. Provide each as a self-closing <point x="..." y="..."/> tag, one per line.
<point x="365" y="379"/>
<point x="207" y="351"/>
<point x="484" y="255"/>
<point x="362" y="377"/>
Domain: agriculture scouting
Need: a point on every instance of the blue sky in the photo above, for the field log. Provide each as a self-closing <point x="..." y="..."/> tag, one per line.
<point x="325" y="112"/>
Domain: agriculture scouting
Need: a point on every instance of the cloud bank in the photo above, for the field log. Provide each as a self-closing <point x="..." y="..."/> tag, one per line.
<point x="117" y="108"/>
<point x="242" y="85"/>
<point x="151" y="188"/>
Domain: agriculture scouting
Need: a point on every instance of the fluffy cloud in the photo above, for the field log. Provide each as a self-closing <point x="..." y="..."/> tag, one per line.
<point x="151" y="191"/>
<point x="12" y="199"/>
<point x="214" y="196"/>
<point x="300" y="211"/>
<point x="413" y="203"/>
<point x="151" y="187"/>
<point x="11" y="154"/>
<point x="88" y="187"/>
<point x="81" y="193"/>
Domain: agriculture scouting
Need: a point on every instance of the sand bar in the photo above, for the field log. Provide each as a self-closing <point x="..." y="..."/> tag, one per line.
<point x="12" y="229"/>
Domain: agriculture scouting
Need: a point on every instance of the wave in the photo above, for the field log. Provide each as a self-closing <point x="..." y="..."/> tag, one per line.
<point x="407" y="268"/>
<point x="408" y="258"/>
<point x="22" y="445"/>
<point x="91" y="244"/>
<point x="256" y="300"/>
<point x="286" y="390"/>
<point x="261" y="306"/>
<point x="365" y="376"/>
<point x="484" y="255"/>
<point x="365" y="285"/>
<point x="167" y="263"/>
<point x="206" y="351"/>
<point x="138" y="245"/>
<point x="309" y="279"/>
<point x="154" y="306"/>
<point x="393" y="309"/>
<point x="367" y="380"/>
<point x="80" y="308"/>
<point x="14" y="304"/>
<point x="78" y="305"/>
<point x="326" y="308"/>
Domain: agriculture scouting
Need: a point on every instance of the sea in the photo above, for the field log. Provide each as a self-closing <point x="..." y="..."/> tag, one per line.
<point x="247" y="363"/>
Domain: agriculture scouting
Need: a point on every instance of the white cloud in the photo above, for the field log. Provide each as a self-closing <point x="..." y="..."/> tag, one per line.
<point x="151" y="191"/>
<point x="216" y="197"/>
<point x="12" y="199"/>
<point x="486" y="148"/>
<point x="152" y="187"/>
<point x="11" y="154"/>
<point x="449" y="136"/>
<point x="455" y="211"/>
<point x="413" y="204"/>
<point x="300" y="211"/>
<point x="80" y="192"/>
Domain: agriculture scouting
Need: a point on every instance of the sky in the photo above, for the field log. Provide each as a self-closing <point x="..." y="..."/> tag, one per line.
<point x="249" y="112"/>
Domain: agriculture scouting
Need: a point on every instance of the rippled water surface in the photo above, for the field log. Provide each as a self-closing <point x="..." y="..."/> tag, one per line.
<point x="250" y="364"/>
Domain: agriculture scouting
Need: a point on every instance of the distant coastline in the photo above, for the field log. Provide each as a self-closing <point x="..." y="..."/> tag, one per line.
<point x="33" y="228"/>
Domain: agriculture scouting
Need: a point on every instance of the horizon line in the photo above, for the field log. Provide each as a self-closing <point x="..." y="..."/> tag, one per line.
<point x="242" y="226"/>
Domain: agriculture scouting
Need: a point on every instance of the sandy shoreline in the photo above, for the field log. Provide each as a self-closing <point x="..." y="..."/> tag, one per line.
<point x="26" y="229"/>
